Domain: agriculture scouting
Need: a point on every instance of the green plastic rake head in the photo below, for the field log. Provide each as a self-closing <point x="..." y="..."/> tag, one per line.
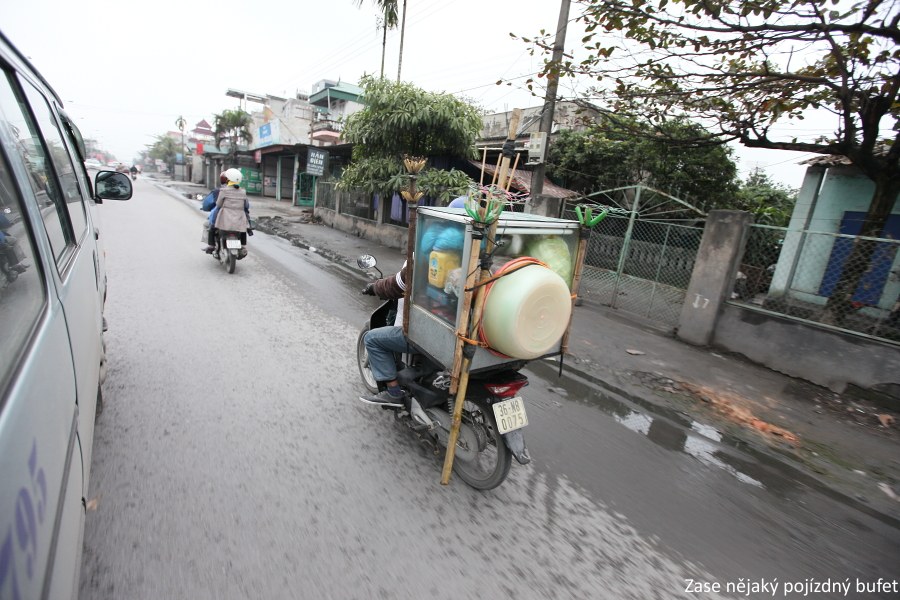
<point x="586" y="218"/>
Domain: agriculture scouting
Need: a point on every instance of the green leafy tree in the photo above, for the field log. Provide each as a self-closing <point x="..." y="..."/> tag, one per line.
<point x="770" y="203"/>
<point x="742" y="66"/>
<point x="400" y="119"/>
<point x="233" y="127"/>
<point x="614" y="154"/>
<point x="165" y="150"/>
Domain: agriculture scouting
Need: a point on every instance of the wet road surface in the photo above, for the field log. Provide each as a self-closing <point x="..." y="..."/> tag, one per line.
<point x="232" y="460"/>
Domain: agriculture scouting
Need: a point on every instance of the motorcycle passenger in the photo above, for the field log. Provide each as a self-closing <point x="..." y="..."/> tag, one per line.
<point x="233" y="208"/>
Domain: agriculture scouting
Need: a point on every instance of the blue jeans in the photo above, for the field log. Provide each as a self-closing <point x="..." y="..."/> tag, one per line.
<point x="382" y="344"/>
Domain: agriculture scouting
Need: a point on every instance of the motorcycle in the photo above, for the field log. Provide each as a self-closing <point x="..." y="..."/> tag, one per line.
<point x="10" y="270"/>
<point x="229" y="249"/>
<point x="11" y="255"/>
<point x="493" y="416"/>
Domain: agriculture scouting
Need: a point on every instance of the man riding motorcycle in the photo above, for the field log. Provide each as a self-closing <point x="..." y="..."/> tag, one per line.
<point x="383" y="342"/>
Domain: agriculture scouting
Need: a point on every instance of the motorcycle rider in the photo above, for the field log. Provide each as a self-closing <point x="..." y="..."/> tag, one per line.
<point x="9" y="248"/>
<point x="209" y="205"/>
<point x="134" y="171"/>
<point x="383" y="342"/>
<point x="233" y="208"/>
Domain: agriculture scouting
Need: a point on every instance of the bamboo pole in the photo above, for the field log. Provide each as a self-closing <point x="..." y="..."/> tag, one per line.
<point x="462" y="327"/>
<point x="462" y="374"/>
<point x="413" y="166"/>
<point x="513" y="172"/>
<point x="576" y="283"/>
<point x="497" y="169"/>
<point x="483" y="161"/>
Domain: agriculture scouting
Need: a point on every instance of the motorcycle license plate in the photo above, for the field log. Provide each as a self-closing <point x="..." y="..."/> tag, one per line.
<point x="510" y="414"/>
<point x="233" y="243"/>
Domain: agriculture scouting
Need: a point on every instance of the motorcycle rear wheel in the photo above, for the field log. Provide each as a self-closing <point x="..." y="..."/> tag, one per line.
<point x="489" y="464"/>
<point x="362" y="360"/>
<point x="230" y="261"/>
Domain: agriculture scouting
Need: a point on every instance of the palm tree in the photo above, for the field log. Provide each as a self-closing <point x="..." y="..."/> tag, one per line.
<point x="233" y="126"/>
<point x="390" y="20"/>
<point x="402" y="32"/>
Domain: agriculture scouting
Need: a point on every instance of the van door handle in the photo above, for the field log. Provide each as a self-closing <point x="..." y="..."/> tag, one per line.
<point x="96" y="233"/>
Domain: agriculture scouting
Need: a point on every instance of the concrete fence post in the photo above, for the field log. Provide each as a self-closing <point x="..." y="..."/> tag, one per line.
<point x="338" y="200"/>
<point x="711" y="280"/>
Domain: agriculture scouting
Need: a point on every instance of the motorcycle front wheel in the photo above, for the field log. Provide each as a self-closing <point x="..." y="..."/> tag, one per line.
<point x="482" y="459"/>
<point x="362" y="360"/>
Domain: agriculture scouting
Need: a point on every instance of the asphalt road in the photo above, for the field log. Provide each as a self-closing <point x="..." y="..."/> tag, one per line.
<point x="233" y="460"/>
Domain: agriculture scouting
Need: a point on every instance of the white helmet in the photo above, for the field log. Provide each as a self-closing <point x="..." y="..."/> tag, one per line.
<point x="234" y="175"/>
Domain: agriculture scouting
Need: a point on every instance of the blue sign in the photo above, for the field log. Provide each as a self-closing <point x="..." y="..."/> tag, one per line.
<point x="267" y="135"/>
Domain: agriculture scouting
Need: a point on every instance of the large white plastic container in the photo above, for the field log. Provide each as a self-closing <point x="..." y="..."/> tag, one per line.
<point x="526" y="312"/>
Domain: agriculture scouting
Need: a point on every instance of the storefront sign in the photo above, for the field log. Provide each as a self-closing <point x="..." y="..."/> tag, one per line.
<point x="269" y="133"/>
<point x="315" y="161"/>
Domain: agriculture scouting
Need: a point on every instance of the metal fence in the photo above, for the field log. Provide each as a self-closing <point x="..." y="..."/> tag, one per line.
<point x="355" y="203"/>
<point x="326" y="194"/>
<point x="799" y="274"/>
<point x="641" y="267"/>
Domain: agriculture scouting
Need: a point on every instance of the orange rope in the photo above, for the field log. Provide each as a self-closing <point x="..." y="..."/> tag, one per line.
<point x="510" y="267"/>
<point x="525" y="261"/>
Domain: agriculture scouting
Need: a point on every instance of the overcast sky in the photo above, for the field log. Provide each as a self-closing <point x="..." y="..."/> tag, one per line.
<point x="127" y="70"/>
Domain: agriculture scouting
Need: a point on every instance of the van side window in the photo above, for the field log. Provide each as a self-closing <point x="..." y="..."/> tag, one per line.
<point x="62" y="161"/>
<point x="22" y="293"/>
<point x="77" y="140"/>
<point x="43" y="182"/>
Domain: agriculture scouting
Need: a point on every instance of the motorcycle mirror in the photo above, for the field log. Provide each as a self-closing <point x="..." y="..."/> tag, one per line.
<point x="367" y="261"/>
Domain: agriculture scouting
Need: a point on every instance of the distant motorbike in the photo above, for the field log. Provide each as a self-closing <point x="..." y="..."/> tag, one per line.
<point x="229" y="249"/>
<point x="8" y="268"/>
<point x="11" y="255"/>
<point x="493" y="416"/>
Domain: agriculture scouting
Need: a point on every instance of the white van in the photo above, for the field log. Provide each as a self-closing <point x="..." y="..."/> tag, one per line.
<point x="52" y="292"/>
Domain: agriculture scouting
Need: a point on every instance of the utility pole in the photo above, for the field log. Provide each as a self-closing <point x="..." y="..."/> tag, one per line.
<point x="537" y="175"/>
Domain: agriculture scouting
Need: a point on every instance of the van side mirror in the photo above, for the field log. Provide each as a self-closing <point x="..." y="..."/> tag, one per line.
<point x="110" y="185"/>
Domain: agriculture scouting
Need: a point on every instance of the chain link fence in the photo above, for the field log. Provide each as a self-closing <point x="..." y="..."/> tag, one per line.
<point x="326" y="194"/>
<point x="801" y="274"/>
<point x="641" y="267"/>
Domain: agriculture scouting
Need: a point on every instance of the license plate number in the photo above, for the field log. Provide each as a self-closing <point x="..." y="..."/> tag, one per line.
<point x="233" y="243"/>
<point x="510" y="414"/>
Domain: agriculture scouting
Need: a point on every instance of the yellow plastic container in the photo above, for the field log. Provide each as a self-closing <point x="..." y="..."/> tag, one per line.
<point x="440" y="263"/>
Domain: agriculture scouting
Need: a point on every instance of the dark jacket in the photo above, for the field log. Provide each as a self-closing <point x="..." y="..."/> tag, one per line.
<point x="393" y="286"/>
